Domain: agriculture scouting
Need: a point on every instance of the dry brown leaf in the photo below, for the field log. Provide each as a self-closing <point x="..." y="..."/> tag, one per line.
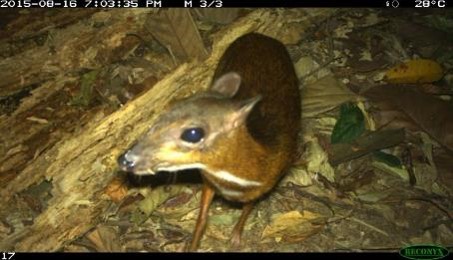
<point x="116" y="190"/>
<point x="431" y="114"/>
<point x="105" y="239"/>
<point x="217" y="15"/>
<point x="175" y="29"/>
<point x="292" y="226"/>
<point x="415" y="71"/>
<point x="426" y="173"/>
<point x="423" y="37"/>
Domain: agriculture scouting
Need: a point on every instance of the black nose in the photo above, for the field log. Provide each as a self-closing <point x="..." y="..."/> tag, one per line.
<point x="126" y="164"/>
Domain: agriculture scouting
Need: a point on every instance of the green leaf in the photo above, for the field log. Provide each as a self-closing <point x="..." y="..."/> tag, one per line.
<point x="349" y="126"/>
<point x="138" y="217"/>
<point x="85" y="95"/>
<point x="388" y="159"/>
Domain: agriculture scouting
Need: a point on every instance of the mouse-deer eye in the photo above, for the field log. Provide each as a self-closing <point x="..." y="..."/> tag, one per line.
<point x="193" y="135"/>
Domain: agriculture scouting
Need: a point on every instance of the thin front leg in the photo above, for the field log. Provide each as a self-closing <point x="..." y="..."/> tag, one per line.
<point x="207" y="193"/>
<point x="237" y="231"/>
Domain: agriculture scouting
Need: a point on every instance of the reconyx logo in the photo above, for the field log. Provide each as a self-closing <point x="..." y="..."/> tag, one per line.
<point x="424" y="252"/>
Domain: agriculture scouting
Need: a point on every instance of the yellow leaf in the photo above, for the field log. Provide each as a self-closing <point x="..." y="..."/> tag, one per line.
<point x="293" y="226"/>
<point x="415" y="71"/>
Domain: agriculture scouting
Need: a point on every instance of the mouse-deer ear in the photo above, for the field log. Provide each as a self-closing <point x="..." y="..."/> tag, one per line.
<point x="239" y="116"/>
<point x="227" y="85"/>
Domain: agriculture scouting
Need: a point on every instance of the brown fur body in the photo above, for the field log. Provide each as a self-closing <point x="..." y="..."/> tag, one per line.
<point x="267" y="146"/>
